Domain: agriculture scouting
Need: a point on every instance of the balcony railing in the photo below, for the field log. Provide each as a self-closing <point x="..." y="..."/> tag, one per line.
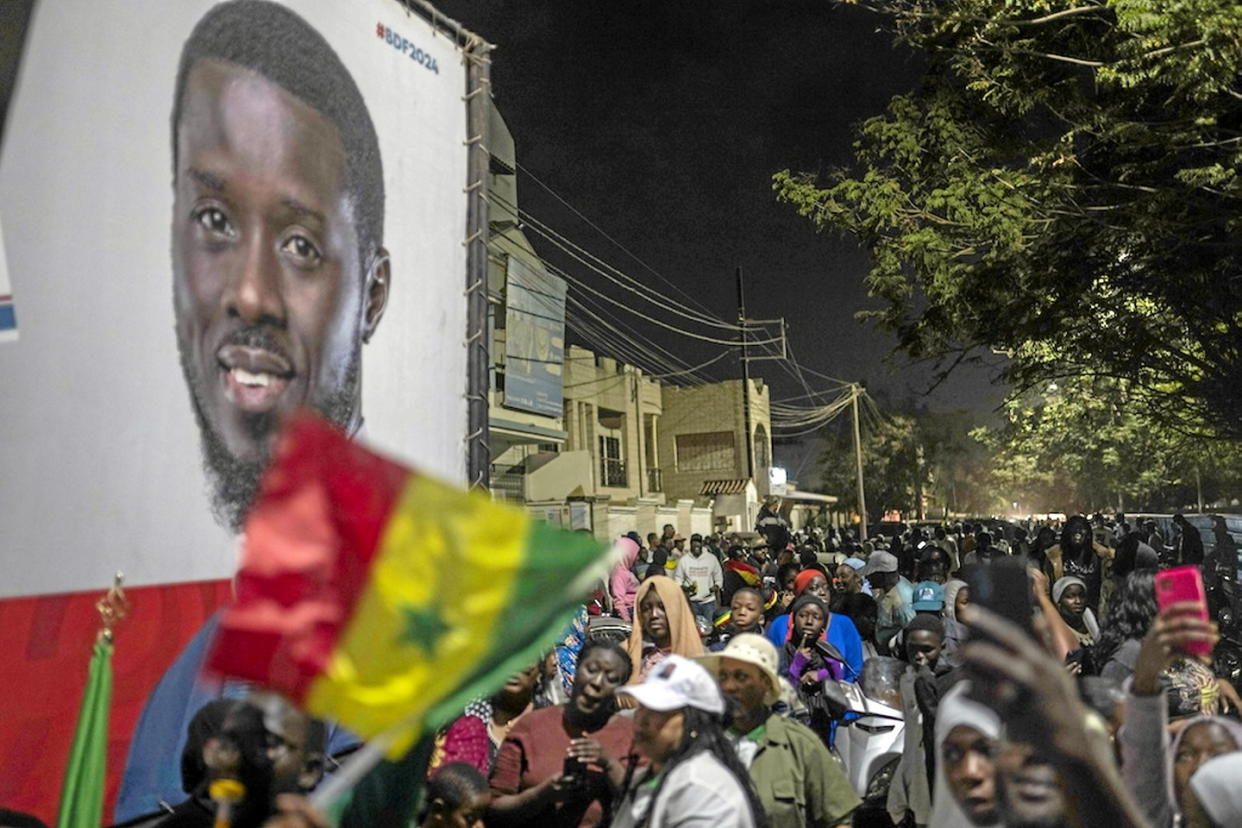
<point x="655" y="480"/>
<point x="612" y="473"/>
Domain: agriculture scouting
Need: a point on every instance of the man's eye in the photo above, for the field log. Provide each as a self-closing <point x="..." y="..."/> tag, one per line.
<point x="213" y="220"/>
<point x="301" y="248"/>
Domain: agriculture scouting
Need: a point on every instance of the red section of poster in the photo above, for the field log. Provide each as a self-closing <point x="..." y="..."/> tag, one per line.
<point x="46" y="641"/>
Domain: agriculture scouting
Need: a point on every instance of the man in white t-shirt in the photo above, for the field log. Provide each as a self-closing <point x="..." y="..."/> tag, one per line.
<point x="700" y="575"/>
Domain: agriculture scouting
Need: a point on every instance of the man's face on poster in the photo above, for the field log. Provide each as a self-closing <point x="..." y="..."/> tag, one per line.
<point x="271" y="295"/>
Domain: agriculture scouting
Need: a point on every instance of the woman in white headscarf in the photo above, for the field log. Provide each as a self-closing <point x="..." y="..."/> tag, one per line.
<point x="1069" y="594"/>
<point x="1217" y="794"/>
<point x="965" y="789"/>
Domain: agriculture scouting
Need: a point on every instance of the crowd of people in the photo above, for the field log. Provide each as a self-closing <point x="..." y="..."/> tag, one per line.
<point x="717" y="682"/>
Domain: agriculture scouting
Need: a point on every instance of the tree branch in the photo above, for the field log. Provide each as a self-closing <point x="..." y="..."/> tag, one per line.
<point x="1095" y="64"/>
<point x="1167" y="49"/>
<point x="1048" y="18"/>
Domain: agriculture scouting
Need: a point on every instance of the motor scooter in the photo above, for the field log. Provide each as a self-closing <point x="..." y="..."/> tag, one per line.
<point x="870" y="735"/>
<point x="1224" y="597"/>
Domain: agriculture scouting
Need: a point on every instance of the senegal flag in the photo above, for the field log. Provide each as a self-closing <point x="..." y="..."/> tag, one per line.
<point x="384" y="599"/>
<point x="82" y="792"/>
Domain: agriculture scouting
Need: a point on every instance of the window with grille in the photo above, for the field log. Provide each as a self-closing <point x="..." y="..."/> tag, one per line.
<point x="707" y="451"/>
<point x="611" y="466"/>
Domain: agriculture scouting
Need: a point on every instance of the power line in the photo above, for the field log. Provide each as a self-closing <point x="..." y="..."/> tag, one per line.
<point x="626" y="342"/>
<point x="657" y="322"/>
<point x="621" y="334"/>
<point x="617" y="277"/>
<point x="787" y="361"/>
<point x="601" y="231"/>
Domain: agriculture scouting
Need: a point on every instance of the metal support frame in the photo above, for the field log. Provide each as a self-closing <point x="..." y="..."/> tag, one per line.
<point x="478" y="109"/>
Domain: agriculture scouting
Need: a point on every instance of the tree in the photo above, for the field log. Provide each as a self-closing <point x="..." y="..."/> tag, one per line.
<point x="958" y="466"/>
<point x="889" y="465"/>
<point x="1063" y="187"/>
<point x="1082" y="446"/>
<point x="914" y="462"/>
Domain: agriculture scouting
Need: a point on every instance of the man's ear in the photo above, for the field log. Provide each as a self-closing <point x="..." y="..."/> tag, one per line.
<point x="440" y="809"/>
<point x="379" y="280"/>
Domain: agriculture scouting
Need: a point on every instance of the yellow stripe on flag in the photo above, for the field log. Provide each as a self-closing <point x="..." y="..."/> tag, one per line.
<point x="437" y="596"/>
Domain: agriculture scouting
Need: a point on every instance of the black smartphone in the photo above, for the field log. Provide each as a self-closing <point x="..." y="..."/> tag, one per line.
<point x="574" y="768"/>
<point x="1002" y="586"/>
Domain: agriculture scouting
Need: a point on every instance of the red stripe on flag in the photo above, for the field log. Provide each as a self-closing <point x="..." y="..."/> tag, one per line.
<point x="310" y="539"/>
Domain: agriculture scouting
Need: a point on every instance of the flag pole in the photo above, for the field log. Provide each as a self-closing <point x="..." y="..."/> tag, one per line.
<point x="82" y="788"/>
<point x="358" y="765"/>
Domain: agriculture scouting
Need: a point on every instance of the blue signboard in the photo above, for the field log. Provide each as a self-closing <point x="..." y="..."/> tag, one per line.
<point x="534" y="339"/>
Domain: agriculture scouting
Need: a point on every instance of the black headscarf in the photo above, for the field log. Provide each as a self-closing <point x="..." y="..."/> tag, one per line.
<point x="659" y="557"/>
<point x="801" y="601"/>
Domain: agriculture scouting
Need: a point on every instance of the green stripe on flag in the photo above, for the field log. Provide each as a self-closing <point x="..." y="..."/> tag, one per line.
<point x="82" y="792"/>
<point x="540" y="606"/>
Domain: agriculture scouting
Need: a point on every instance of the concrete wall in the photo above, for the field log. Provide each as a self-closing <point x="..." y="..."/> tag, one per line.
<point x="596" y="389"/>
<point x="739" y="510"/>
<point x="557" y="476"/>
<point x="707" y="409"/>
<point x="612" y="521"/>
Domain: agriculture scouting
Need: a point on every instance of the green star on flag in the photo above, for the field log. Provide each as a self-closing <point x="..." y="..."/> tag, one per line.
<point x="423" y="628"/>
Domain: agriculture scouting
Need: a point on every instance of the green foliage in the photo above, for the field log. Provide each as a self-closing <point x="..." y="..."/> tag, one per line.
<point x="1084" y="445"/>
<point x="914" y="462"/>
<point x="889" y="466"/>
<point x="1063" y="187"/>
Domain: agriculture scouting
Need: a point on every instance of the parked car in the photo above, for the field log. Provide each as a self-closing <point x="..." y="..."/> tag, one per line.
<point x="1233" y="523"/>
<point x="888" y="528"/>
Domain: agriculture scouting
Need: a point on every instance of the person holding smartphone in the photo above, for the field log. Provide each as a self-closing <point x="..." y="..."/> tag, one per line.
<point x="562" y="766"/>
<point x="1051" y="766"/>
<point x="1156" y="768"/>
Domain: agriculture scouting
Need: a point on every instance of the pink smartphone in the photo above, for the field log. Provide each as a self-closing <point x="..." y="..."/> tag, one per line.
<point x="1183" y="583"/>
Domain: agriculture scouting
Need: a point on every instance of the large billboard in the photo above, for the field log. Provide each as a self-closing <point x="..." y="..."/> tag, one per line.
<point x="534" y="339"/>
<point x="213" y="214"/>
<point x="301" y="243"/>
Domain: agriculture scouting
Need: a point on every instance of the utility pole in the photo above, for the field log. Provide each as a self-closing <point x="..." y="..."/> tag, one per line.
<point x="1198" y="489"/>
<point x="862" y="497"/>
<point x="741" y="331"/>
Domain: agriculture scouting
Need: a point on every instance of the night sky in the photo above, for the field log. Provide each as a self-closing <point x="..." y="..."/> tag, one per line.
<point x="663" y="122"/>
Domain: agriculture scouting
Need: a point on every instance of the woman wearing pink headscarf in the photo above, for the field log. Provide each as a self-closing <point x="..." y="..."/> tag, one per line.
<point x="623" y="584"/>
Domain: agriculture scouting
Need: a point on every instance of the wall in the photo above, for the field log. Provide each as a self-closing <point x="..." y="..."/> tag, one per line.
<point x="594" y="383"/>
<point x="710" y="408"/>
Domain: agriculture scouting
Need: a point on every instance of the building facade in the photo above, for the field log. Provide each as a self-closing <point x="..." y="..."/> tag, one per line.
<point x="586" y="442"/>
<point x="717" y="447"/>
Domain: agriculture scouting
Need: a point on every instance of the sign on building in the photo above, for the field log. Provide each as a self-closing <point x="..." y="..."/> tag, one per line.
<point x="534" y="339"/>
<point x="140" y="169"/>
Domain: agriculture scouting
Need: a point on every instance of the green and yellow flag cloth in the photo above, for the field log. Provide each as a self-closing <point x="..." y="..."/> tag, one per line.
<point x="382" y="598"/>
<point x="82" y="791"/>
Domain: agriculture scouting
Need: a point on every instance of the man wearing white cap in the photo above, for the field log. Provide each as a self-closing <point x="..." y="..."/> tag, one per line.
<point x="694" y="776"/>
<point x="797" y="780"/>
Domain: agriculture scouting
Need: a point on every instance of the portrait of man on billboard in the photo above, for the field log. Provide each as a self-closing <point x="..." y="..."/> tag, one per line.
<point x="317" y="149"/>
<point x="279" y="270"/>
<point x="279" y="278"/>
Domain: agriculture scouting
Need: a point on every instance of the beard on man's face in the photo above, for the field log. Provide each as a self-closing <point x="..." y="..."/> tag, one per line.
<point x="233" y="482"/>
